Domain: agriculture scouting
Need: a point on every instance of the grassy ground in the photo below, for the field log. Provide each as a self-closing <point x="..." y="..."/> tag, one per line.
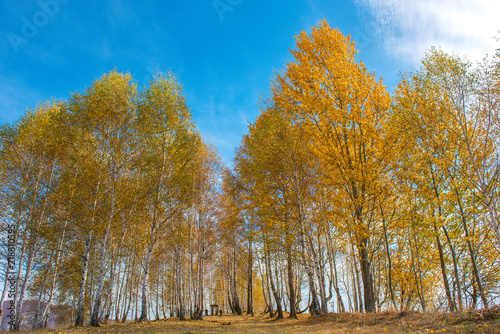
<point x="487" y="321"/>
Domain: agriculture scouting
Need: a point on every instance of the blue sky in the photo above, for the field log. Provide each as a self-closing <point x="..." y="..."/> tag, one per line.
<point x="224" y="51"/>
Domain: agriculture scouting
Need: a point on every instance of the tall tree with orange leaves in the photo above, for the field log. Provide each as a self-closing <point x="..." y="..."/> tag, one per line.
<point x="344" y="109"/>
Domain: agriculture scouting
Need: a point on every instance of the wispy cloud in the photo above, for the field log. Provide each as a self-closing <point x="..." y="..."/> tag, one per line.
<point x="408" y="29"/>
<point x="119" y="12"/>
<point x="15" y="95"/>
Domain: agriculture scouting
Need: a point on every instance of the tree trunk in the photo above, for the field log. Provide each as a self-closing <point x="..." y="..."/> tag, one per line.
<point x="83" y="281"/>
<point x="144" y="301"/>
<point x="455" y="270"/>
<point x="234" y="301"/>
<point x="475" y="270"/>
<point x="94" y="320"/>
<point x="333" y="273"/>
<point x="418" y="278"/>
<point x="46" y="310"/>
<point x="389" y="261"/>
<point x="198" y="310"/>
<point x="128" y="305"/>
<point x="178" y="272"/>
<point x="277" y="297"/>
<point x="250" y="280"/>
<point x="291" y="289"/>
<point x="451" y="303"/>
<point x="9" y="258"/>
<point x="314" y="307"/>
<point x="366" y="276"/>
<point x="320" y="276"/>
<point x="355" y="296"/>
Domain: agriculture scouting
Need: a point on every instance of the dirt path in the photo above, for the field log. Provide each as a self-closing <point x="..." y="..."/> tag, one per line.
<point x="475" y="322"/>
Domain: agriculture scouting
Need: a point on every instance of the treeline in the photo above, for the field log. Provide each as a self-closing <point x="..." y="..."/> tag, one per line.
<point x="342" y="198"/>
<point x="112" y="198"/>
<point x="358" y="201"/>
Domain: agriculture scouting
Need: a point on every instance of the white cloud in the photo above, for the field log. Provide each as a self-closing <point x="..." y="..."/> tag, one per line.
<point x="409" y="28"/>
<point x="15" y="98"/>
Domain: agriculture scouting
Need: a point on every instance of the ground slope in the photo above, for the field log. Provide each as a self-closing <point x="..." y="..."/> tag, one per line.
<point x="487" y="321"/>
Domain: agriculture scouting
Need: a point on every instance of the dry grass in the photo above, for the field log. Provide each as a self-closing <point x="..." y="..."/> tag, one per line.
<point x="487" y="321"/>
